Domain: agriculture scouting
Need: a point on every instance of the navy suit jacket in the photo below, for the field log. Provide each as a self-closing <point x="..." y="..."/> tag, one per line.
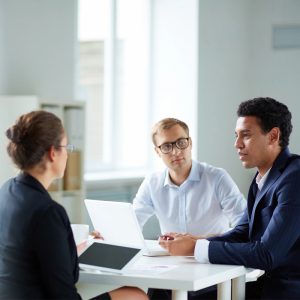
<point x="38" y="257"/>
<point x="268" y="235"/>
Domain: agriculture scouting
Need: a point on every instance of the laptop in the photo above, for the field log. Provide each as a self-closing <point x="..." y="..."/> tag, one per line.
<point x="117" y="223"/>
<point x="103" y="256"/>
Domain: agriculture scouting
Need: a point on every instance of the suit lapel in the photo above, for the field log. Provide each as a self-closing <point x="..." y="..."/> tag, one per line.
<point x="274" y="174"/>
<point x="251" y="197"/>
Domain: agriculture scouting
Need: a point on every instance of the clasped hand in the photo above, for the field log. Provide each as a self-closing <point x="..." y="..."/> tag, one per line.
<point x="178" y="244"/>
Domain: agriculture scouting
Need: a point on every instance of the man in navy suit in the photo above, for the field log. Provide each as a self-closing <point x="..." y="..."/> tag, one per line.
<point x="268" y="235"/>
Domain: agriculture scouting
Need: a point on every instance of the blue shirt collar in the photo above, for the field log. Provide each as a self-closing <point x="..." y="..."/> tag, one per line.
<point x="194" y="175"/>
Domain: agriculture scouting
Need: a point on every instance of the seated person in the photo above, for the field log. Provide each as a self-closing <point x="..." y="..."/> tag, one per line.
<point x="267" y="237"/>
<point x="188" y="196"/>
<point x="38" y="257"/>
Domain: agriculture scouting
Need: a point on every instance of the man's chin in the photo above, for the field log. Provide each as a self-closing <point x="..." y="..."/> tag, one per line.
<point x="246" y="165"/>
<point x="177" y="166"/>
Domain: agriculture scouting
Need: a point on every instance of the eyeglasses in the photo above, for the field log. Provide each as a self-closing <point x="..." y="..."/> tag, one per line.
<point x="181" y="144"/>
<point x="69" y="147"/>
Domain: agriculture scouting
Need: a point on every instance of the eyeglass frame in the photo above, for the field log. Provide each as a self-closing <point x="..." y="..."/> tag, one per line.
<point x="69" y="147"/>
<point x="174" y="143"/>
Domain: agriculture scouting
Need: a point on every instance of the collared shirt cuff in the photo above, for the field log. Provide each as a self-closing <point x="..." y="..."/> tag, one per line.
<point x="201" y="251"/>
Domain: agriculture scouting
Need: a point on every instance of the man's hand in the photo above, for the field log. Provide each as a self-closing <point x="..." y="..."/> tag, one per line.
<point x="180" y="245"/>
<point x="199" y="237"/>
<point x="172" y="235"/>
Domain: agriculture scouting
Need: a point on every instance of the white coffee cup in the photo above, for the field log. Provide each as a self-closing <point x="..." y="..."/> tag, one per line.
<point x="80" y="233"/>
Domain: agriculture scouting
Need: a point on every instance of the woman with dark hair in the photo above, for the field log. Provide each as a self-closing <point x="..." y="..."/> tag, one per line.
<point x="38" y="257"/>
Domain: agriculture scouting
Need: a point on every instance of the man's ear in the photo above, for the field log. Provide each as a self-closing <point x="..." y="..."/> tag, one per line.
<point x="157" y="151"/>
<point x="274" y="135"/>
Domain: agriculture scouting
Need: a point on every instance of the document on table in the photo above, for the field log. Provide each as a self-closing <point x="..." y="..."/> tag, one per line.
<point x="150" y="269"/>
<point x="138" y="269"/>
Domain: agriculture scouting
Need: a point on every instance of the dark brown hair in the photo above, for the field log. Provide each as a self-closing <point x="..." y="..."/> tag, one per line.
<point x="32" y="136"/>
<point x="270" y="113"/>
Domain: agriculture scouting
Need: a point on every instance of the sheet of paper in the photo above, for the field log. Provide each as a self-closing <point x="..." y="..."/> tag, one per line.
<point x="138" y="269"/>
<point x="150" y="269"/>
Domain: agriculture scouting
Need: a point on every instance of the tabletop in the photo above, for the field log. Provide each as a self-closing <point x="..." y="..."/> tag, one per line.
<point x="185" y="274"/>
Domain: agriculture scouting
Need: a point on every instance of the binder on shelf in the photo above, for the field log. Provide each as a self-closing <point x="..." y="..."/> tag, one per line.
<point x="73" y="123"/>
<point x="72" y="176"/>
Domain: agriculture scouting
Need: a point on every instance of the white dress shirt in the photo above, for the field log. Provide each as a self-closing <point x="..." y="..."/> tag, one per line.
<point x="207" y="202"/>
<point x="201" y="248"/>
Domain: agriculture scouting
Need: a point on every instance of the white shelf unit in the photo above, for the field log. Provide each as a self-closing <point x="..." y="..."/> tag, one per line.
<point x="69" y="191"/>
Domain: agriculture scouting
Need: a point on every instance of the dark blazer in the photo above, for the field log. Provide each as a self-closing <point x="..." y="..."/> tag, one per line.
<point x="38" y="258"/>
<point x="268" y="235"/>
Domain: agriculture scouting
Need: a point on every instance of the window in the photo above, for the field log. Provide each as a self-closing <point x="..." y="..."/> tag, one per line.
<point x="114" y="79"/>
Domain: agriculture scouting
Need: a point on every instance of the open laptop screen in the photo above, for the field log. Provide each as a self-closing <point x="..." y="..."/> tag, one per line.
<point x="116" y="221"/>
<point x="118" y="224"/>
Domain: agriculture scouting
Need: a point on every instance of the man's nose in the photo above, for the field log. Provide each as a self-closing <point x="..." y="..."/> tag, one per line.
<point x="175" y="150"/>
<point x="238" y="143"/>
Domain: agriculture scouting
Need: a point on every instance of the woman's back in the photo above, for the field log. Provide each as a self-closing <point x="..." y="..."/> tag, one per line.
<point x="30" y="222"/>
<point x="38" y="255"/>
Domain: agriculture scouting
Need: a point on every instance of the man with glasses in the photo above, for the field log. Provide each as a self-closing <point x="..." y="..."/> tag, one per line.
<point x="188" y="196"/>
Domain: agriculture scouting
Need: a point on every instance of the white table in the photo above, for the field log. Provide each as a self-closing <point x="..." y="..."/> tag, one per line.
<point x="189" y="275"/>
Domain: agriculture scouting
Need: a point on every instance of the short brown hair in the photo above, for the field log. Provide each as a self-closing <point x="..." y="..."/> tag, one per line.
<point x="167" y="123"/>
<point x="32" y="136"/>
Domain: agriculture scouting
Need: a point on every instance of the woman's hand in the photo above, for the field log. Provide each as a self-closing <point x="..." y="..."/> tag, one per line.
<point x="97" y="235"/>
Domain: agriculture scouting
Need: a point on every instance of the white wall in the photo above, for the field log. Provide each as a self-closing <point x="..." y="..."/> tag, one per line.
<point x="236" y="63"/>
<point x="1" y="49"/>
<point x="175" y="59"/>
<point x="277" y="71"/>
<point x="38" y="47"/>
<point x="11" y="107"/>
<point x="223" y="81"/>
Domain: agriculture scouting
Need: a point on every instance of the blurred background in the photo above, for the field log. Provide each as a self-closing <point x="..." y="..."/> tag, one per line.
<point x="112" y="68"/>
